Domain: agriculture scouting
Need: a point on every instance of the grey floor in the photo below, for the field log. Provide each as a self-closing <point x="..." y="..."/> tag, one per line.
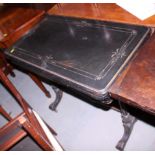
<point x="80" y="126"/>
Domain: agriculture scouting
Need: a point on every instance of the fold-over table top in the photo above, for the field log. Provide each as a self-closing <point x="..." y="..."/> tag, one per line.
<point x="86" y="55"/>
<point x="136" y="85"/>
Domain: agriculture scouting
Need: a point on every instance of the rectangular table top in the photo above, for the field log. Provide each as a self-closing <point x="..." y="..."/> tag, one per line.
<point x="83" y="54"/>
<point x="136" y="84"/>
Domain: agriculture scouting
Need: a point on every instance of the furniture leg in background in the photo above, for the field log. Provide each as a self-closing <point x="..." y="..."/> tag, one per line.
<point x="8" y="69"/>
<point x="28" y="120"/>
<point x="11" y="31"/>
<point x="39" y="84"/>
<point x="4" y="113"/>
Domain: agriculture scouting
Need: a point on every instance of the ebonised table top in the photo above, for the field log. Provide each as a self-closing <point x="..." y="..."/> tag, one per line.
<point x="83" y="54"/>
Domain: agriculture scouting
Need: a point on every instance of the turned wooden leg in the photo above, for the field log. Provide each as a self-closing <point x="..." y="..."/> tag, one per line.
<point x="4" y="113"/>
<point x="40" y="85"/>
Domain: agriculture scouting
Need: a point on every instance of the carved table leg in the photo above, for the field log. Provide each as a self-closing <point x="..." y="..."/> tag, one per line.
<point x="128" y="123"/>
<point x="58" y="98"/>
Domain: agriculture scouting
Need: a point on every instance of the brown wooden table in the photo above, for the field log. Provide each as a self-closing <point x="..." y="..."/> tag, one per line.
<point x="104" y="11"/>
<point x="14" y="22"/>
<point x="136" y="84"/>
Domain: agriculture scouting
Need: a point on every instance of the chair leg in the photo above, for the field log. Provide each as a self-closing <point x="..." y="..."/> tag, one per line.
<point x="40" y="85"/>
<point x="7" y="66"/>
<point x="4" y="113"/>
<point x="50" y="143"/>
<point x="37" y="136"/>
<point x="11" y="133"/>
<point x="33" y="127"/>
<point x="21" y="101"/>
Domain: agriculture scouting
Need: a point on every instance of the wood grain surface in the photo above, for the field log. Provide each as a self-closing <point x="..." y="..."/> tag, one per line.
<point x="136" y="84"/>
<point x="15" y="21"/>
<point x="104" y="11"/>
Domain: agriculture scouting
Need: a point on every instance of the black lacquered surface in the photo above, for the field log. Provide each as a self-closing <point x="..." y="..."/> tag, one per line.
<point x="83" y="54"/>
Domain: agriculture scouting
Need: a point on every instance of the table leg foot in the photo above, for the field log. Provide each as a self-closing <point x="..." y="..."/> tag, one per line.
<point x="128" y="123"/>
<point x="59" y="93"/>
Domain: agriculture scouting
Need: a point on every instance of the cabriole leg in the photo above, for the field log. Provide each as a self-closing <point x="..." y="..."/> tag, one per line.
<point x="128" y="123"/>
<point x="59" y="94"/>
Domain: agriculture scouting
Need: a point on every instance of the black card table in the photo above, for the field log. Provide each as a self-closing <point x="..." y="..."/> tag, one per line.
<point x="86" y="55"/>
<point x="81" y="54"/>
